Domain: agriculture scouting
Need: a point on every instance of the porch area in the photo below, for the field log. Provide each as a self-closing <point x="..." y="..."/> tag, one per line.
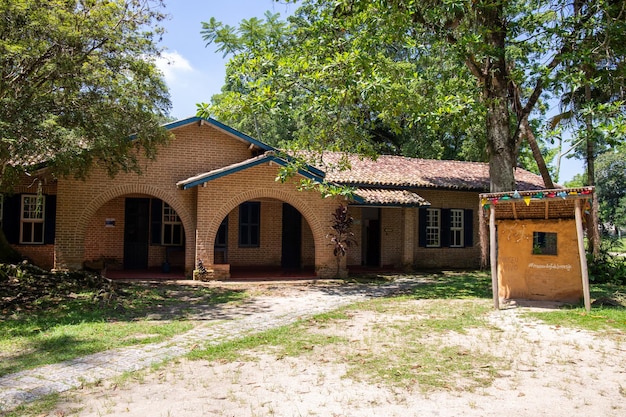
<point x="236" y="274"/>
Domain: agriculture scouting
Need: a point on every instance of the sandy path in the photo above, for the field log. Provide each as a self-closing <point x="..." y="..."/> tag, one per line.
<point x="554" y="371"/>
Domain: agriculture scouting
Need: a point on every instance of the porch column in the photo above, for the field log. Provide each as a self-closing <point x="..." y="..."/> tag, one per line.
<point x="408" y="244"/>
<point x="493" y="256"/>
<point x="582" y="255"/>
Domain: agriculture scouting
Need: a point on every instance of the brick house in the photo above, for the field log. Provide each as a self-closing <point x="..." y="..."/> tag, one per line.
<point x="211" y="197"/>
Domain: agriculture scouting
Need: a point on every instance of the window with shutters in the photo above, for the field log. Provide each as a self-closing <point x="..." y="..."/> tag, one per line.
<point x="32" y="219"/>
<point x="250" y="224"/>
<point x="446" y="228"/>
<point x="433" y="228"/>
<point x="456" y="228"/>
<point x="171" y="227"/>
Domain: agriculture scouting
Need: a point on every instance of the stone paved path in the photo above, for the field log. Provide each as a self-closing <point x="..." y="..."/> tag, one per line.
<point x="263" y="313"/>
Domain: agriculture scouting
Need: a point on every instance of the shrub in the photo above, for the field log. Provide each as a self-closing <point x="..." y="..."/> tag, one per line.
<point x="609" y="266"/>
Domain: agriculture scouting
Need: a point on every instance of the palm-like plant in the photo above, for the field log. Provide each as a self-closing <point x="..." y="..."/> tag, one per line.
<point x="341" y="237"/>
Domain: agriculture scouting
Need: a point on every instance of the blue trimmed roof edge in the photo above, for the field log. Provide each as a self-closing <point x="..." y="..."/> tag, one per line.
<point x="219" y="125"/>
<point x="242" y="166"/>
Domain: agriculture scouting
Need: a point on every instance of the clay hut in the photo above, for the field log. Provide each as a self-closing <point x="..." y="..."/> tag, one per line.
<point x="536" y="246"/>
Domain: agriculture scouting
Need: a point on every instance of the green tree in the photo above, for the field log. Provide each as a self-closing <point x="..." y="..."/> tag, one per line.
<point x="611" y="186"/>
<point x="77" y="80"/>
<point x="421" y="72"/>
<point x="317" y="83"/>
<point x="518" y="51"/>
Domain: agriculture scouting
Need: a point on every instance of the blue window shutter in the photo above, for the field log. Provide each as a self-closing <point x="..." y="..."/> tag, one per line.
<point x="444" y="230"/>
<point x="421" y="218"/>
<point x="50" y="214"/>
<point x="11" y="218"/>
<point x="249" y="224"/>
<point x="156" y="215"/>
<point x="468" y="224"/>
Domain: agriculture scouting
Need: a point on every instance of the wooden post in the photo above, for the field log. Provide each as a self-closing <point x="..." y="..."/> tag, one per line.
<point x="493" y="258"/>
<point x="581" y="253"/>
<point x="195" y="255"/>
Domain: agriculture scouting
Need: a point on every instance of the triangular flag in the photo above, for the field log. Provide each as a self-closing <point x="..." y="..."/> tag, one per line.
<point x="527" y="200"/>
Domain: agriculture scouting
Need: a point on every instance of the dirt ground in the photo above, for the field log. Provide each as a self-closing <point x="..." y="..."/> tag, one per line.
<point x="552" y="371"/>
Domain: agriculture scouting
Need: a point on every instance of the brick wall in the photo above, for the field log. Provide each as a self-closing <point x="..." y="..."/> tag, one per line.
<point x="222" y="196"/>
<point x="40" y="255"/>
<point x="195" y="149"/>
<point x="441" y="258"/>
<point x="392" y="237"/>
<point x="106" y="242"/>
<point x="82" y="207"/>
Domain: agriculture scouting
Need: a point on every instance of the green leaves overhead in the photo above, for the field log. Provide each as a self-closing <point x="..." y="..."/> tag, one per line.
<point x="445" y="79"/>
<point x="317" y="81"/>
<point x="79" y="76"/>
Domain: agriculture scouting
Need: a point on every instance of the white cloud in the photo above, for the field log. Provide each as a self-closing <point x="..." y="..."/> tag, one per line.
<point x="173" y="65"/>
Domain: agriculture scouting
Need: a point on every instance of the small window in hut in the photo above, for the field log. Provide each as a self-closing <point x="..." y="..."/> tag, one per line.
<point x="544" y="243"/>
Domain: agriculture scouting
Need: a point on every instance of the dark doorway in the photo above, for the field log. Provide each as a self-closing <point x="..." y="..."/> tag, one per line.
<point x="371" y="237"/>
<point x="136" y="233"/>
<point x="292" y="237"/>
<point x="220" y="249"/>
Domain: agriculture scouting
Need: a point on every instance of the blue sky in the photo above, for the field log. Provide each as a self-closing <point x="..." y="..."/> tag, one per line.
<point x="194" y="72"/>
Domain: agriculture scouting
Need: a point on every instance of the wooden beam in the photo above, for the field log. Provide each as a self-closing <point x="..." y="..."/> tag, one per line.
<point x="581" y="253"/>
<point x="493" y="256"/>
<point x="514" y="210"/>
<point x="546" y="211"/>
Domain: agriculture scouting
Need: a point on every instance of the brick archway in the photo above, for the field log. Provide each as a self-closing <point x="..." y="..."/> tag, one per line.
<point x="308" y="214"/>
<point x="82" y="220"/>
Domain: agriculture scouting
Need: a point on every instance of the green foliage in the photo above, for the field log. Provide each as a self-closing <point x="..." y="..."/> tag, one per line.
<point x="579" y="180"/>
<point x="77" y="80"/>
<point x="431" y="79"/>
<point x="318" y="81"/>
<point x="611" y="186"/>
<point x="609" y="266"/>
<point x="52" y="317"/>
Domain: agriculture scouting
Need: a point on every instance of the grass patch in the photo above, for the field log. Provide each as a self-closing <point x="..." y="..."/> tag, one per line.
<point x="454" y="285"/>
<point x="41" y="407"/>
<point x="424" y="350"/>
<point x="291" y="340"/>
<point x="70" y="321"/>
<point x="410" y="344"/>
<point x="64" y="342"/>
<point x="601" y="318"/>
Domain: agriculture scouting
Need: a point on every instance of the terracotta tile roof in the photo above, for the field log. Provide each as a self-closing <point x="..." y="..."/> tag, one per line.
<point x="399" y="171"/>
<point x="390" y="180"/>
<point x="376" y="196"/>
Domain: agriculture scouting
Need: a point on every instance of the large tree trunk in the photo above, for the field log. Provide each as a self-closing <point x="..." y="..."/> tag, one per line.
<point x="534" y="146"/>
<point x="500" y="142"/>
<point x="7" y="253"/>
<point x="593" y="230"/>
<point x="501" y="147"/>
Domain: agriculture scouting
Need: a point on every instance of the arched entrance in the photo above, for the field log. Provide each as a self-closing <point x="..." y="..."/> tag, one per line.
<point x="154" y="238"/>
<point x="136" y="232"/>
<point x="265" y="237"/>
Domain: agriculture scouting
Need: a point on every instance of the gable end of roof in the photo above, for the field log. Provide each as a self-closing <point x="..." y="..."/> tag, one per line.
<point x="220" y="126"/>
